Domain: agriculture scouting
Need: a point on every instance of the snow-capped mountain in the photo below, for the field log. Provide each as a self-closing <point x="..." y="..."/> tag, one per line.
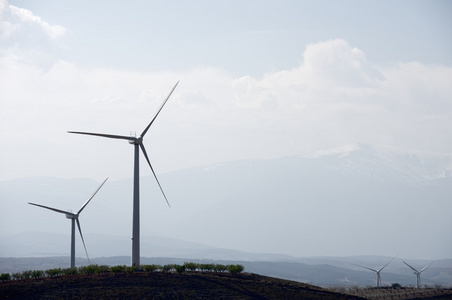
<point x="354" y="200"/>
<point x="386" y="163"/>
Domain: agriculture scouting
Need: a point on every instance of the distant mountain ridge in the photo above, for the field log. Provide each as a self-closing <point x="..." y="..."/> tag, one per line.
<point x="356" y="200"/>
<point x="396" y="162"/>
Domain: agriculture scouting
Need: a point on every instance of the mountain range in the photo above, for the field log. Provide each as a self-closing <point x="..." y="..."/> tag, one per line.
<point x="349" y="201"/>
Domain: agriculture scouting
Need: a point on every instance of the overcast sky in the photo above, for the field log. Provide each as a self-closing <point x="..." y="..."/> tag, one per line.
<point x="258" y="79"/>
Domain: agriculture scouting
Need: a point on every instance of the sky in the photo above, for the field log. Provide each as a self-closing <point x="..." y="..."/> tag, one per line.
<point x="258" y="79"/>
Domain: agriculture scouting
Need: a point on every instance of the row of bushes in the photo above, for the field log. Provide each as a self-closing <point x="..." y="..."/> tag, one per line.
<point x="102" y="269"/>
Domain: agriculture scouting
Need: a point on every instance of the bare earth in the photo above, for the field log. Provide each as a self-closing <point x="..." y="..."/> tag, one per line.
<point x="164" y="286"/>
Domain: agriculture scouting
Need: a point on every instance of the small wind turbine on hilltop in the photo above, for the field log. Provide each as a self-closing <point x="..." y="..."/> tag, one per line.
<point x="137" y="142"/>
<point x="418" y="273"/>
<point x="376" y="271"/>
<point x="74" y="218"/>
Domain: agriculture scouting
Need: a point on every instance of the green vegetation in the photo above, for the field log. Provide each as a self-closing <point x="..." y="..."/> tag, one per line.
<point x="5" y="277"/>
<point x="396" y="286"/>
<point x="70" y="271"/>
<point x="151" y="268"/>
<point x="179" y="268"/>
<point x="26" y="274"/>
<point x="220" y="268"/>
<point x="102" y="269"/>
<point x="118" y="269"/>
<point x="37" y="274"/>
<point x="191" y="266"/>
<point x="235" y="269"/>
<point x="54" y="272"/>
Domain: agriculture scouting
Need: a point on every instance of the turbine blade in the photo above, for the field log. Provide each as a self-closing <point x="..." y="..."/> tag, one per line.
<point x="158" y="111"/>
<point x="81" y="235"/>
<point x="425" y="267"/>
<point x="410" y="267"/>
<point x="147" y="158"/>
<point x="54" y="209"/>
<point x="366" y="268"/>
<point x="87" y="201"/>
<point x="112" y="136"/>
<point x="386" y="264"/>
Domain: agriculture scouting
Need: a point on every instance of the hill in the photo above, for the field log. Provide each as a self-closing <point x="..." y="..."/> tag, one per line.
<point x="319" y="271"/>
<point x="165" y="286"/>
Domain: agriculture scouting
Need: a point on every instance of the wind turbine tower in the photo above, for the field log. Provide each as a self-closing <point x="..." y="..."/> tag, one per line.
<point x="137" y="142"/>
<point x="74" y="218"/>
<point x="376" y="271"/>
<point x="418" y="273"/>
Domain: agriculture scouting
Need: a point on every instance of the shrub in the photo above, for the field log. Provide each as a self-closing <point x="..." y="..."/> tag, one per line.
<point x="5" y="277"/>
<point x="89" y="270"/>
<point x="235" y="269"/>
<point x="150" y="268"/>
<point x="220" y="268"/>
<point x="191" y="266"/>
<point x="206" y="267"/>
<point x="130" y="270"/>
<point x="26" y="274"/>
<point x="167" y="268"/>
<point x="118" y="269"/>
<point x="17" y="276"/>
<point x="179" y="268"/>
<point x="70" y="271"/>
<point x="396" y="286"/>
<point x="53" y="272"/>
<point x="102" y="269"/>
<point x="37" y="274"/>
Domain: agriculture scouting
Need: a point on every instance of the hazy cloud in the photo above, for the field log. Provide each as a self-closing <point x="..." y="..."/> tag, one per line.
<point x="27" y="38"/>
<point x="334" y="96"/>
<point x="20" y="21"/>
<point x="108" y="78"/>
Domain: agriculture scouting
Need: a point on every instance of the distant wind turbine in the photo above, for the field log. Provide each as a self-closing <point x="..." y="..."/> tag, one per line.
<point x="138" y="143"/>
<point x="377" y="271"/>
<point x="74" y="218"/>
<point x="418" y="273"/>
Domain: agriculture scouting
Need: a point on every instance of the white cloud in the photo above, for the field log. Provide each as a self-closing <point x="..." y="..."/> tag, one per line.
<point x="335" y="96"/>
<point x="336" y="63"/>
<point x="15" y="19"/>
<point x="26" y="37"/>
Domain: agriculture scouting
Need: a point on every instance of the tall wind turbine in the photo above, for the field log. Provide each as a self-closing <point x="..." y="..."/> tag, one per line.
<point x="74" y="218"/>
<point x="137" y="142"/>
<point x="418" y="273"/>
<point x="377" y="271"/>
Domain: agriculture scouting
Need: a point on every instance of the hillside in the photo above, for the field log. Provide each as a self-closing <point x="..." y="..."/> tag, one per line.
<point x="164" y="286"/>
<point x="319" y="271"/>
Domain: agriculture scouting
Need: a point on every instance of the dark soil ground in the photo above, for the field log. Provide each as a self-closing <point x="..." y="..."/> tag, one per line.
<point x="159" y="285"/>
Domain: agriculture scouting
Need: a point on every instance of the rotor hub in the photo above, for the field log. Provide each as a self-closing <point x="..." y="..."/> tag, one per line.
<point x="137" y="141"/>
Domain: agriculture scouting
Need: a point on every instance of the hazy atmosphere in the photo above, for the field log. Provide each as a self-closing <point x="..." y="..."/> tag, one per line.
<point x="298" y="127"/>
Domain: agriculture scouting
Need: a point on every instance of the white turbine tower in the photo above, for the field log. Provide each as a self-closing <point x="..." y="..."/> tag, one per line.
<point x="74" y="218"/>
<point x="418" y="273"/>
<point x="377" y="271"/>
<point x="138" y="143"/>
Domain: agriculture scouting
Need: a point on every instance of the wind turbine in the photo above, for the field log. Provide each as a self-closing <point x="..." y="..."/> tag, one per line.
<point x="137" y="142"/>
<point x="74" y="218"/>
<point x="418" y="273"/>
<point x="377" y="271"/>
